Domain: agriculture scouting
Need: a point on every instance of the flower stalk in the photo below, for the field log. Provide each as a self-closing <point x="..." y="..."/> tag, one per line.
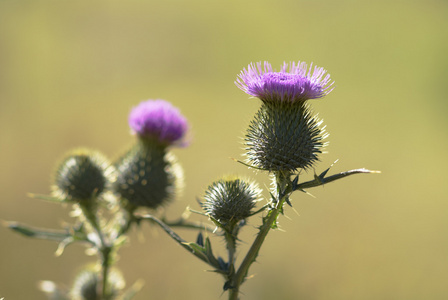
<point x="269" y="222"/>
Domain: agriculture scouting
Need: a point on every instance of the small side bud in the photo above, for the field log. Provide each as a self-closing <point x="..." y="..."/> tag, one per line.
<point x="87" y="285"/>
<point x="81" y="176"/>
<point x="230" y="201"/>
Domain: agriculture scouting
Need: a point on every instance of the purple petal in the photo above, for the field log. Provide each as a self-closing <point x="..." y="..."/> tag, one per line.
<point x="158" y="119"/>
<point x="294" y="82"/>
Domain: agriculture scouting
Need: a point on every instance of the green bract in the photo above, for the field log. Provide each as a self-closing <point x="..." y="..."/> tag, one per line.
<point x="230" y="200"/>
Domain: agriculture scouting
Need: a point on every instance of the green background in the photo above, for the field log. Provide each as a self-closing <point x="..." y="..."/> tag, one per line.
<point x="70" y="71"/>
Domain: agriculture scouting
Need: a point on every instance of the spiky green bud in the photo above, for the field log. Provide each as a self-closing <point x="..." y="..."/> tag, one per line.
<point x="82" y="176"/>
<point x="284" y="136"/>
<point x="230" y="200"/>
<point x="148" y="175"/>
<point x="87" y="285"/>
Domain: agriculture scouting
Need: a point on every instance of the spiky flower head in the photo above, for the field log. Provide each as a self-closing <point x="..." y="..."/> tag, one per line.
<point x="293" y="83"/>
<point x="284" y="137"/>
<point x="82" y="175"/>
<point x="159" y="120"/>
<point x="230" y="200"/>
<point x="86" y="285"/>
<point x="148" y="176"/>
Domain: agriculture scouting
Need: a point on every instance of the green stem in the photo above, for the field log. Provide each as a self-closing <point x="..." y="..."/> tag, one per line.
<point x="268" y="222"/>
<point x="105" y="265"/>
<point x="104" y="248"/>
<point x="231" y="249"/>
<point x="253" y="252"/>
<point x="126" y="219"/>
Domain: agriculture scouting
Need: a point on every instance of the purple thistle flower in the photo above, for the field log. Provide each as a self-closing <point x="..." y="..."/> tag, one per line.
<point x="294" y="82"/>
<point x="159" y="119"/>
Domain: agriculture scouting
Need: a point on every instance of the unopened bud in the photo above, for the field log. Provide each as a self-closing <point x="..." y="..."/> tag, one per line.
<point x="87" y="285"/>
<point x="148" y="175"/>
<point x="230" y="201"/>
<point x="81" y="176"/>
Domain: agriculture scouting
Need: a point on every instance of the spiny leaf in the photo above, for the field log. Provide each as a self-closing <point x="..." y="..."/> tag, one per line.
<point x="38" y="233"/>
<point x="47" y="198"/>
<point x="321" y="179"/>
<point x="198" y="251"/>
<point x="208" y="250"/>
<point x="200" y="239"/>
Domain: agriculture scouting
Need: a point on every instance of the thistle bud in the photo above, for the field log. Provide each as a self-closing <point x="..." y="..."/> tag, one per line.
<point x="230" y="201"/>
<point x="87" y="285"/>
<point x="284" y="137"/>
<point x="148" y="176"/>
<point x="81" y="176"/>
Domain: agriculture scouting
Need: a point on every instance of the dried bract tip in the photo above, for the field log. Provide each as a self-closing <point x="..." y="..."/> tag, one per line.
<point x="159" y="120"/>
<point x="293" y="83"/>
<point x="82" y="176"/>
<point x="230" y="200"/>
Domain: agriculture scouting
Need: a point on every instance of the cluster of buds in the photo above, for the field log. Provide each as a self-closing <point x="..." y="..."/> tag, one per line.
<point x="147" y="176"/>
<point x="283" y="138"/>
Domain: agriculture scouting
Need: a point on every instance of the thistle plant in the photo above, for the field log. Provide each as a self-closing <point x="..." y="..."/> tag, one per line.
<point x="105" y="196"/>
<point x="284" y="138"/>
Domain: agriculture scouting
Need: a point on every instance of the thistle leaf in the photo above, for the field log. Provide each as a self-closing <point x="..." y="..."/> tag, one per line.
<point x="208" y="251"/>
<point x="321" y="179"/>
<point x="38" y="233"/>
<point x="48" y="198"/>
<point x="197" y="250"/>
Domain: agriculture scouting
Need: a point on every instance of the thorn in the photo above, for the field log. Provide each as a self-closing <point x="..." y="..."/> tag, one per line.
<point x="296" y="211"/>
<point x="247" y="165"/>
<point x="308" y="193"/>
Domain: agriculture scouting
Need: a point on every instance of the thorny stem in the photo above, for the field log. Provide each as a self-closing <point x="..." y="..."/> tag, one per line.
<point x="268" y="222"/>
<point x="105" y="265"/>
<point x="104" y="248"/>
<point x="231" y="247"/>
<point x="230" y="237"/>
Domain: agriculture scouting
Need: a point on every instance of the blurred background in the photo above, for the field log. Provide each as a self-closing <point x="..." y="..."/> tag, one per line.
<point x="70" y="71"/>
